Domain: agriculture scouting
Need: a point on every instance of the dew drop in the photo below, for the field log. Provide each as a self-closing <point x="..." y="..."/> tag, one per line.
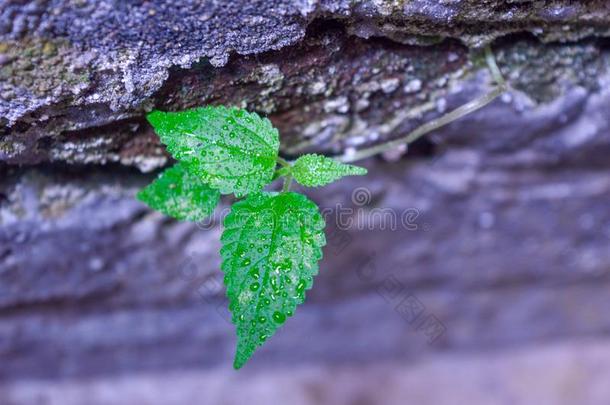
<point x="254" y="287"/>
<point x="262" y="338"/>
<point x="246" y="262"/>
<point x="262" y="319"/>
<point x="279" y="317"/>
<point x="301" y="286"/>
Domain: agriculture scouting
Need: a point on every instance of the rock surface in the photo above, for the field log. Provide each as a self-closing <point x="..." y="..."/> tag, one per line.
<point x="511" y="377"/>
<point x="490" y="236"/>
<point x="76" y="77"/>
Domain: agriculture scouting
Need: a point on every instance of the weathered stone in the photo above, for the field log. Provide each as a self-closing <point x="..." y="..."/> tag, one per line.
<point x="497" y="226"/>
<point x="83" y="66"/>
<point x="554" y="374"/>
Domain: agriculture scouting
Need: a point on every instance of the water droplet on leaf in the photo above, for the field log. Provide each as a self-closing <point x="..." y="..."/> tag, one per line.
<point x="279" y="317"/>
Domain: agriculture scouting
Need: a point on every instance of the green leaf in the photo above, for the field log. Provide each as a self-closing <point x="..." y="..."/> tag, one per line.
<point x="231" y="149"/>
<point x="180" y="194"/>
<point x="316" y="170"/>
<point x="271" y="247"/>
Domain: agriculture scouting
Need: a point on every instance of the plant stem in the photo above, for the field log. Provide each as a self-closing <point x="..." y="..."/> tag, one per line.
<point x="493" y="67"/>
<point x="287" y="183"/>
<point x="283" y="162"/>
<point x="443" y="120"/>
<point x="430" y="126"/>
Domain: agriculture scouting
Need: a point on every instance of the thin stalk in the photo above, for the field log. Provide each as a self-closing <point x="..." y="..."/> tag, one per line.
<point x="443" y="120"/>
<point x="426" y="128"/>
<point x="493" y="67"/>
<point x="282" y="162"/>
<point x="287" y="183"/>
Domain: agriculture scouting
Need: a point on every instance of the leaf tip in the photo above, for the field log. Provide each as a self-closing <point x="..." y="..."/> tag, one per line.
<point x="155" y="117"/>
<point x="359" y="171"/>
<point x="142" y="195"/>
<point x="238" y="363"/>
<point x="242" y="354"/>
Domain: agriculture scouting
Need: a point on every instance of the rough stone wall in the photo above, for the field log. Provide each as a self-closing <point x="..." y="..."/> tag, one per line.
<point x="509" y="226"/>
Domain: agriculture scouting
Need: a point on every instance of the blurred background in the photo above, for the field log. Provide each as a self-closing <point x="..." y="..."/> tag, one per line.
<point x="471" y="267"/>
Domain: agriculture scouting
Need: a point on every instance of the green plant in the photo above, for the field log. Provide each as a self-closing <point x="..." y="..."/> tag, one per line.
<point x="272" y="241"/>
